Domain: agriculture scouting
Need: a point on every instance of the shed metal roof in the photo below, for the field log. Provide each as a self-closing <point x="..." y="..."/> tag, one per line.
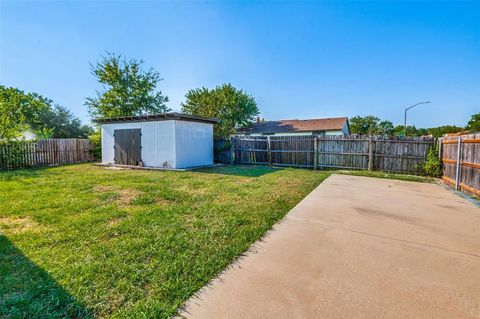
<point x="157" y="117"/>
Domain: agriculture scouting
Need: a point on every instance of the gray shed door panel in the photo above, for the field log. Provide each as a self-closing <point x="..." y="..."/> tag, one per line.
<point x="128" y="146"/>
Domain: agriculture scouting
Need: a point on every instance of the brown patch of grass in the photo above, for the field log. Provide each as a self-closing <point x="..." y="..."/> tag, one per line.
<point x="164" y="202"/>
<point x="103" y="188"/>
<point x="18" y="225"/>
<point x="114" y="221"/>
<point x="124" y="196"/>
<point x="192" y="190"/>
<point x="190" y="219"/>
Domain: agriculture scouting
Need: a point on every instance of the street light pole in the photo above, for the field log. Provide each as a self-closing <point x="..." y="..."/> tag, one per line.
<point x="405" y="117"/>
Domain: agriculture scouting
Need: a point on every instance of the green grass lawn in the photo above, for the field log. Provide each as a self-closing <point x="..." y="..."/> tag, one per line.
<point x="84" y="241"/>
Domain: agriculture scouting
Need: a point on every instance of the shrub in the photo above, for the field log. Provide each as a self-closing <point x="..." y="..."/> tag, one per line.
<point x="96" y="139"/>
<point x="16" y="154"/>
<point x="433" y="165"/>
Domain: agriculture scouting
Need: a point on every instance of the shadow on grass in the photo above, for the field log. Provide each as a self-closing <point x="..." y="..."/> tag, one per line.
<point x="27" y="291"/>
<point x="240" y="170"/>
<point x="28" y="172"/>
<point x="7" y="175"/>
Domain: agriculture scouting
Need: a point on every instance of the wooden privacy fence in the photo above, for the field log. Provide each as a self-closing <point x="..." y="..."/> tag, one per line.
<point x="405" y="155"/>
<point x="45" y="152"/>
<point x="461" y="162"/>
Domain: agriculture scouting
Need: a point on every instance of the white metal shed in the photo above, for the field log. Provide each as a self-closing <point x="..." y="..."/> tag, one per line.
<point x="168" y="140"/>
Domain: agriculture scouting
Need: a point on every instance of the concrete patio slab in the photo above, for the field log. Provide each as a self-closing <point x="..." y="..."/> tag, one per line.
<point x="358" y="247"/>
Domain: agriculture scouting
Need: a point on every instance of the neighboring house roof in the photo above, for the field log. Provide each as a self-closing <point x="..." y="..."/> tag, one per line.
<point x="288" y="126"/>
<point x="157" y="117"/>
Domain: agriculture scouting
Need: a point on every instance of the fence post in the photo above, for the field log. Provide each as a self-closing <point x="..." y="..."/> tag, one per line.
<point x="315" y="152"/>
<point x="440" y="149"/>
<point x="457" y="169"/>
<point x="370" y="154"/>
<point x="232" y="151"/>
<point x="269" y="151"/>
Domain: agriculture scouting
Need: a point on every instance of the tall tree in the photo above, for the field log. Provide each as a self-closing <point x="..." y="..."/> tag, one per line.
<point x="64" y="124"/>
<point x="474" y="123"/>
<point x="20" y="111"/>
<point x="364" y="125"/>
<point x="127" y="89"/>
<point x="12" y="117"/>
<point x="441" y="130"/>
<point x="412" y="130"/>
<point x="385" y="128"/>
<point x="233" y="107"/>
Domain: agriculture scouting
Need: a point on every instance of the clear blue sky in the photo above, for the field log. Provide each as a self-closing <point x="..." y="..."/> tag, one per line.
<point x="299" y="60"/>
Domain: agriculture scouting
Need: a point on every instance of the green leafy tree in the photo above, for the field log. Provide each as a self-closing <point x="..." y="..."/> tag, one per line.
<point x="441" y="130"/>
<point x="234" y="108"/>
<point x="421" y="132"/>
<point x="63" y="124"/>
<point x="370" y="125"/>
<point x="12" y="117"/>
<point x="20" y="111"/>
<point x="127" y="89"/>
<point x="412" y="130"/>
<point x="384" y="128"/>
<point x="364" y="125"/>
<point x="35" y="110"/>
<point x="474" y="123"/>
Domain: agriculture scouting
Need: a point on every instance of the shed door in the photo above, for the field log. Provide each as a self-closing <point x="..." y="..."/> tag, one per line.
<point x="128" y="146"/>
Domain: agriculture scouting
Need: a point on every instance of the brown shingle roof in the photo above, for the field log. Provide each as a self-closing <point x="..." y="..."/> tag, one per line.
<point x="287" y="126"/>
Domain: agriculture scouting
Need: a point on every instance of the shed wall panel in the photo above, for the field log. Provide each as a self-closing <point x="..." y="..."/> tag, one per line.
<point x="158" y="142"/>
<point x="194" y="144"/>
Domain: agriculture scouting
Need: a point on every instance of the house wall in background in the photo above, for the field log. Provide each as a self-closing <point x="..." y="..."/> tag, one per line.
<point x="327" y="133"/>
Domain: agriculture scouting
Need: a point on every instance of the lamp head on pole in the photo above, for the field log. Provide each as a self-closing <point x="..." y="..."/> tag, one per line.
<point x="405" y="118"/>
<point x="408" y="108"/>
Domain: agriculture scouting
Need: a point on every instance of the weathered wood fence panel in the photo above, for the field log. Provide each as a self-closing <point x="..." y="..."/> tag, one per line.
<point x="296" y="151"/>
<point x="461" y="162"/>
<point x="349" y="152"/>
<point x="346" y="152"/>
<point x="250" y="150"/>
<point x="45" y="152"/>
<point x="404" y="156"/>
